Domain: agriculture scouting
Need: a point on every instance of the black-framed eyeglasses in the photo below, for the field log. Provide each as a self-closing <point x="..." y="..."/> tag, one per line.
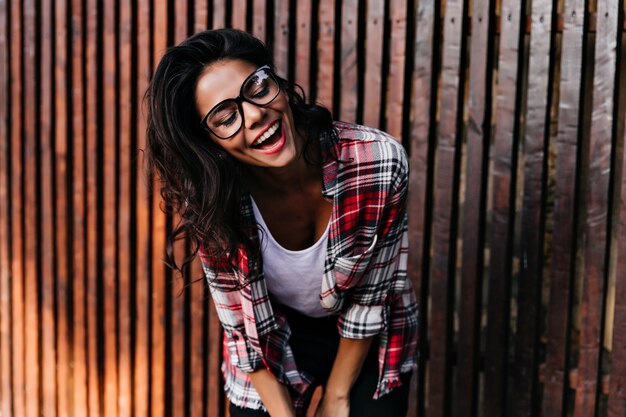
<point x="226" y="118"/>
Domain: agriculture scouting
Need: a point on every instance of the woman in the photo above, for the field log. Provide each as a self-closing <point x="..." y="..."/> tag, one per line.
<point x="300" y="224"/>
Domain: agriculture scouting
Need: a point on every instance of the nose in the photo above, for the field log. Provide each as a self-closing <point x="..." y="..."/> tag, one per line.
<point x="253" y="114"/>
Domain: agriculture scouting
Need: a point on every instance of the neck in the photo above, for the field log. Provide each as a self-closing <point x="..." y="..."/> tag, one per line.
<point x="295" y="177"/>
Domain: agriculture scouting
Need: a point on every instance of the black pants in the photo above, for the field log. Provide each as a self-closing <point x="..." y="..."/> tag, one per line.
<point x="314" y="342"/>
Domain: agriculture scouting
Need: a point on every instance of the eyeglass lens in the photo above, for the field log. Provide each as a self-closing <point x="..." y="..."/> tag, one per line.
<point x="260" y="89"/>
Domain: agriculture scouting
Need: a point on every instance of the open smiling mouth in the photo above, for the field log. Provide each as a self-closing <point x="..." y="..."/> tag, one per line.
<point x="269" y="138"/>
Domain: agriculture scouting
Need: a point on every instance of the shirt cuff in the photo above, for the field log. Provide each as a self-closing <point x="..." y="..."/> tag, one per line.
<point x="242" y="355"/>
<point x="362" y="321"/>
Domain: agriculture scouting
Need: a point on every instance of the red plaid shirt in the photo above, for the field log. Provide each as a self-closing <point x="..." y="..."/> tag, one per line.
<point x="365" y="279"/>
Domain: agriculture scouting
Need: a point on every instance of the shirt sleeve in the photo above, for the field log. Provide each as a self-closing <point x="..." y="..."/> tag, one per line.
<point x="228" y="304"/>
<point x="383" y="265"/>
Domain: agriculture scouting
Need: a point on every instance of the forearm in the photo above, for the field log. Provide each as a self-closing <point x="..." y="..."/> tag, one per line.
<point x="275" y="396"/>
<point x="347" y="366"/>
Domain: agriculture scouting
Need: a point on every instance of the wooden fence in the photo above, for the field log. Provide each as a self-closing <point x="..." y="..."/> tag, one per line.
<point x="512" y="112"/>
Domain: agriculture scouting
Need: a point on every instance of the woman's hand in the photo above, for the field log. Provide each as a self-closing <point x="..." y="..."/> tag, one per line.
<point x="333" y="406"/>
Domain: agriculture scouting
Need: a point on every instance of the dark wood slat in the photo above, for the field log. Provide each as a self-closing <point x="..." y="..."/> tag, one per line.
<point x="158" y="318"/>
<point x="79" y="322"/>
<point x="418" y="198"/>
<point x="558" y="317"/>
<point x="93" y="252"/>
<point x="375" y="22"/>
<point x="214" y="355"/>
<point x="142" y="221"/>
<point x="239" y="14"/>
<point x="64" y="372"/>
<point x="616" y="405"/>
<point x="281" y="37"/>
<point x="303" y="42"/>
<point x="180" y="19"/>
<point x="395" y="78"/>
<point x="446" y="170"/>
<point x="125" y="153"/>
<point x="176" y="340"/>
<point x="259" y="19"/>
<point x="31" y="316"/>
<point x="48" y="348"/>
<point x="201" y="15"/>
<point x="198" y="377"/>
<point x="325" y="53"/>
<point x="110" y="271"/>
<point x="219" y="14"/>
<point x="525" y="373"/>
<point x="473" y="226"/>
<point x="176" y="383"/>
<point x="504" y="155"/>
<point x="348" y="64"/>
<point x="17" y="204"/>
<point x="5" y="261"/>
<point x="597" y="209"/>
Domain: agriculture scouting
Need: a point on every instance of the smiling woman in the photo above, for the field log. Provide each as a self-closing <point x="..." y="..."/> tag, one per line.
<point x="300" y="223"/>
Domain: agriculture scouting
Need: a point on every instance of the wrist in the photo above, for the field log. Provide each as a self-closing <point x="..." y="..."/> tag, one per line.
<point x="336" y="393"/>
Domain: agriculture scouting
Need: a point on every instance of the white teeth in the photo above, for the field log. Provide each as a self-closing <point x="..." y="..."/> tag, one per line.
<point x="269" y="132"/>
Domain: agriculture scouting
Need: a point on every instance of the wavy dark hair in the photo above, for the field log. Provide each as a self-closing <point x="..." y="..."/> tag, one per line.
<point x="199" y="180"/>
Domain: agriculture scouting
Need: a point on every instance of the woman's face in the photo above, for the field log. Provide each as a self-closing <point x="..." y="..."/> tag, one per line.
<point x="267" y="135"/>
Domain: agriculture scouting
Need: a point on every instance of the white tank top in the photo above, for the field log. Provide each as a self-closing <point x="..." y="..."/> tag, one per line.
<point x="293" y="278"/>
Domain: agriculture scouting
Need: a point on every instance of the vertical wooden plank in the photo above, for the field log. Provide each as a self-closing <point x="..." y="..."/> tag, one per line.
<point x="79" y="322"/>
<point x="61" y="198"/>
<point x="110" y="272"/>
<point x="239" y="14"/>
<point x="180" y="22"/>
<point x="48" y="348"/>
<point x="420" y="150"/>
<point x="214" y="354"/>
<point x="395" y="80"/>
<point x="219" y="14"/>
<point x="125" y="153"/>
<point x="597" y="209"/>
<point x="178" y="381"/>
<point x="525" y="383"/>
<point x="281" y="37"/>
<point x="17" y="204"/>
<point x="616" y="406"/>
<point x="558" y="316"/>
<point x="158" y="318"/>
<point x="31" y="319"/>
<point x="259" y="18"/>
<point x="375" y="16"/>
<point x="197" y="395"/>
<point x="6" y="393"/>
<point x="143" y="262"/>
<point x="444" y="200"/>
<point x="201" y="15"/>
<point x="303" y="42"/>
<point x="504" y="157"/>
<point x="478" y="139"/>
<point x="349" y="75"/>
<point x="326" y="53"/>
<point x="93" y="250"/>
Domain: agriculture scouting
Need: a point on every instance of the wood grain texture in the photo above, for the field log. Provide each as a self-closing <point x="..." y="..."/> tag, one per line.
<point x="597" y="210"/>
<point x="326" y="53"/>
<point x="419" y="194"/>
<point x="443" y="233"/>
<point x="303" y="45"/>
<point x="504" y="161"/>
<point x="395" y="78"/>
<point x="473" y="226"/>
<point x="558" y="317"/>
<point x="280" y="47"/>
<point x="30" y="145"/>
<point x="525" y="384"/>
<point x="5" y="242"/>
<point x="374" y="29"/>
<point x="349" y="69"/>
